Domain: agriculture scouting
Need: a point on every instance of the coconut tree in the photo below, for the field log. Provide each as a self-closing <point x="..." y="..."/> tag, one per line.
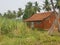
<point x="14" y="13"/>
<point x="58" y="7"/>
<point x="27" y="11"/>
<point x="31" y="9"/>
<point x="0" y="14"/>
<point x="37" y="7"/>
<point x="5" y="14"/>
<point x="46" y="6"/>
<point x="9" y="14"/>
<point x="56" y="21"/>
<point x="20" y="12"/>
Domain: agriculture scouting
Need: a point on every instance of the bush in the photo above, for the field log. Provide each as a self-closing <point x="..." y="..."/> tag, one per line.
<point x="8" y="26"/>
<point x="5" y="29"/>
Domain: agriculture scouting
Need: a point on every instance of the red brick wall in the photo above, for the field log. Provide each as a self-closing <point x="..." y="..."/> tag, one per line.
<point x="45" y="24"/>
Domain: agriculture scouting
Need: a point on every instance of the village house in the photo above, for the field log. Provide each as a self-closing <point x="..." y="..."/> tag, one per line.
<point x="41" y="20"/>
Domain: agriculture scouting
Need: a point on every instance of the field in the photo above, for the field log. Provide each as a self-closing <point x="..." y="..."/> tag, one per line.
<point x="14" y="32"/>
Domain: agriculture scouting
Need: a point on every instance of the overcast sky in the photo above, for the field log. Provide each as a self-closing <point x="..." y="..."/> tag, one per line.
<point x="15" y="4"/>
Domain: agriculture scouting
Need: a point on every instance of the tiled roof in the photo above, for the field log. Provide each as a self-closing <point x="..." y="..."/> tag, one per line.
<point x="39" y="16"/>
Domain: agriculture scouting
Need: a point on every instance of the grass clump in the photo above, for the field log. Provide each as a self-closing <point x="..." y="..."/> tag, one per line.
<point x="7" y="25"/>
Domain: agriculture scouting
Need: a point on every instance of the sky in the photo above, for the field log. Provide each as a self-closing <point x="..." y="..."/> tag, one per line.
<point x="15" y="4"/>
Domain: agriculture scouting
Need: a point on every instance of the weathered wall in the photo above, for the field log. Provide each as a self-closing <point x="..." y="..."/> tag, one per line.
<point x="45" y="24"/>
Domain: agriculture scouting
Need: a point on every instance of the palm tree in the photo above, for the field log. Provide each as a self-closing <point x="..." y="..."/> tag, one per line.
<point x="57" y="17"/>
<point x="58" y="7"/>
<point x="20" y="12"/>
<point x="4" y="13"/>
<point x="9" y="14"/>
<point x="46" y="6"/>
<point x="29" y="5"/>
<point x="30" y="9"/>
<point x="0" y="14"/>
<point x="37" y="7"/>
<point x="14" y="14"/>
<point x="52" y="27"/>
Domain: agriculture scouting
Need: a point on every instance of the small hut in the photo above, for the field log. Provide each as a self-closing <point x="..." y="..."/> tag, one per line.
<point x="41" y="20"/>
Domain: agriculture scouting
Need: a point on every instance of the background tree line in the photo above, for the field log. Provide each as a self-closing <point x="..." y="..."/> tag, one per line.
<point x="12" y="14"/>
<point x="30" y="9"/>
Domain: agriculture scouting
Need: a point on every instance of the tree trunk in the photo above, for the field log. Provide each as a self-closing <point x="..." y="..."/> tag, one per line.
<point x="55" y="21"/>
<point x="58" y="21"/>
<point x="52" y="27"/>
<point x="59" y="28"/>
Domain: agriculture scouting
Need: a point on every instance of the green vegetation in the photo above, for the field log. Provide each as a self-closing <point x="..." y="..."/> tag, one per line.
<point x="17" y="33"/>
<point x="31" y="9"/>
<point x="47" y="6"/>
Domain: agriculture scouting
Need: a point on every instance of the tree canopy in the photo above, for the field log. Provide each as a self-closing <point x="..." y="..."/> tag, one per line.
<point x="31" y="9"/>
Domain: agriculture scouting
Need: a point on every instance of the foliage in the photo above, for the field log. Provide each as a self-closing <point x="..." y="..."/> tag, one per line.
<point x="57" y="4"/>
<point x="10" y="14"/>
<point x="31" y="9"/>
<point x="17" y="33"/>
<point x="20" y="12"/>
<point x="47" y="6"/>
<point x="0" y="14"/>
<point x="7" y="25"/>
<point x="37" y="7"/>
<point x="13" y="14"/>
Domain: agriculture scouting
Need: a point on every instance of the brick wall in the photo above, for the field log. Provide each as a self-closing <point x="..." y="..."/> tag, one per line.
<point x="45" y="24"/>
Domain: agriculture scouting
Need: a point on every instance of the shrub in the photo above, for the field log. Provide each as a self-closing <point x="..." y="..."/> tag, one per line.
<point x="8" y="26"/>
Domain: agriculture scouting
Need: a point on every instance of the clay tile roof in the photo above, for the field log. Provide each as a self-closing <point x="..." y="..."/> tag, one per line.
<point x="39" y="16"/>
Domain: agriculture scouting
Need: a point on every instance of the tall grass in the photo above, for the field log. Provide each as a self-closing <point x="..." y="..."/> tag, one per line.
<point x="14" y="32"/>
<point x="7" y="25"/>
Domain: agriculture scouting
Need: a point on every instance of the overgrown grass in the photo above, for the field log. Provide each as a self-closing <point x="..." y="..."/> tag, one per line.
<point x="17" y="33"/>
